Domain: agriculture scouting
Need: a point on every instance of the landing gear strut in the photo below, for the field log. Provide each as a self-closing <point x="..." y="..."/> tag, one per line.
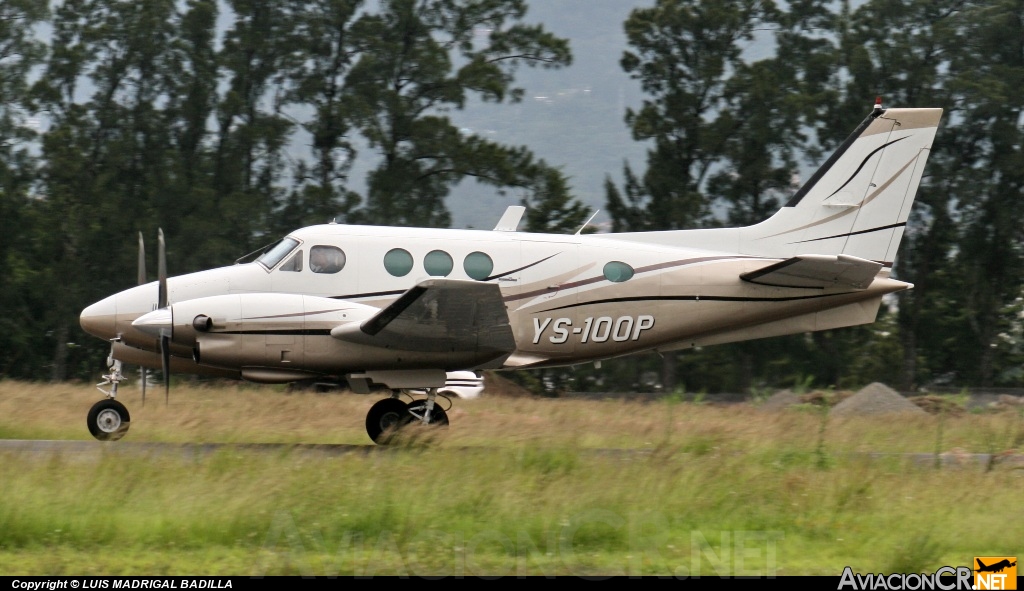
<point x="108" y="419"/>
<point x="427" y="412"/>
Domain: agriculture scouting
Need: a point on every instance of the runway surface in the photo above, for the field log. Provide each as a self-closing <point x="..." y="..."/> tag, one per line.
<point x="88" y="449"/>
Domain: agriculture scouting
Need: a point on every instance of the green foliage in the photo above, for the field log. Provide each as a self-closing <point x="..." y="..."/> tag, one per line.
<point x="913" y="555"/>
<point x="406" y="74"/>
<point x="685" y="55"/>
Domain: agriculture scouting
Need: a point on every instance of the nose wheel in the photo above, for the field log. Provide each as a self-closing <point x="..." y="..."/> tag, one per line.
<point x="108" y="420"/>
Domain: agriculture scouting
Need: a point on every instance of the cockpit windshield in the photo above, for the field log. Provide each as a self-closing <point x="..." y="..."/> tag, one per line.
<point x="277" y="252"/>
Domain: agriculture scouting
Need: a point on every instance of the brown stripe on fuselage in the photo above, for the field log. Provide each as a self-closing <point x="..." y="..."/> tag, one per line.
<point x="644" y="269"/>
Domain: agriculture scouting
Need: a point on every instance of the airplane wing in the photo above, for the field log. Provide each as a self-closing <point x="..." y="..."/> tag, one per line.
<point x="816" y="270"/>
<point x="439" y="315"/>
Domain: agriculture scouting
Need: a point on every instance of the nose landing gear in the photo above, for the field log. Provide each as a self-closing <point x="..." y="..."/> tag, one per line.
<point x="108" y="419"/>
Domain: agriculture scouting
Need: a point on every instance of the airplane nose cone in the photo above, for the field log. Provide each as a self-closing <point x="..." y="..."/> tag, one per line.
<point x="100" y="319"/>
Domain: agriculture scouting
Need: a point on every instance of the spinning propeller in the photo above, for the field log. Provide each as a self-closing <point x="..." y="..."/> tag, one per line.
<point x="162" y="322"/>
<point x="142" y="281"/>
<point x="165" y="333"/>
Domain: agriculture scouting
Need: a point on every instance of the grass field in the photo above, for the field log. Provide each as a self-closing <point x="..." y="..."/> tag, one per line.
<point x="516" y="486"/>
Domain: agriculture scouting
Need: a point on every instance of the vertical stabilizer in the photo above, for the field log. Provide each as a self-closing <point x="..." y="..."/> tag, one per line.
<point x="858" y="202"/>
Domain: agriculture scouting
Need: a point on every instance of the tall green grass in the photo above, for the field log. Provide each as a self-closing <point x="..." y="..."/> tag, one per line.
<point x="516" y="487"/>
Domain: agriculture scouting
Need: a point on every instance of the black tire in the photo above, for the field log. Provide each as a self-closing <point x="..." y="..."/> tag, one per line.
<point x="385" y="418"/>
<point x="108" y="420"/>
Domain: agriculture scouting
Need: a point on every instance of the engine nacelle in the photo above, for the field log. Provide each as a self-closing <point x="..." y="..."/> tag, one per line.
<point x="258" y="329"/>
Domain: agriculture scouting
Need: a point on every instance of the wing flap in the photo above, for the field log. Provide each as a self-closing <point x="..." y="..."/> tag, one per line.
<point x="436" y="316"/>
<point x="817" y="271"/>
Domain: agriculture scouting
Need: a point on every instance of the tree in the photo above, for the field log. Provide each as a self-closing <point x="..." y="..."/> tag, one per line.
<point x="104" y="156"/>
<point x="249" y="164"/>
<point x="684" y="55"/>
<point x="20" y="51"/>
<point x="688" y="59"/>
<point x="419" y="58"/>
<point x="988" y="70"/>
<point x="318" y="81"/>
<point x="911" y="63"/>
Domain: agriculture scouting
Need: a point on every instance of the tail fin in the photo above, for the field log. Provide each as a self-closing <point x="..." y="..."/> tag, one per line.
<point x="858" y="202"/>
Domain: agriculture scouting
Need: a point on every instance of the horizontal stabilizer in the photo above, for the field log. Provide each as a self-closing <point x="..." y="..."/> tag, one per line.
<point x="817" y="270"/>
<point x="439" y="315"/>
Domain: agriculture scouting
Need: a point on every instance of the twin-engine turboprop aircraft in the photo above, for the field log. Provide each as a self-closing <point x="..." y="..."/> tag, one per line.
<point x="398" y="308"/>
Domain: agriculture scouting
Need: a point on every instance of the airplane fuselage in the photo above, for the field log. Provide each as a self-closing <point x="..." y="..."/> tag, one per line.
<point x="569" y="299"/>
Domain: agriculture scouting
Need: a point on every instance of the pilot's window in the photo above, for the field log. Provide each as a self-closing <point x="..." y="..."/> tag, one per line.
<point x="273" y="256"/>
<point x="326" y="259"/>
<point x="478" y="265"/>
<point x="438" y="263"/>
<point x="618" y="272"/>
<point x="293" y="264"/>
<point x="398" y="262"/>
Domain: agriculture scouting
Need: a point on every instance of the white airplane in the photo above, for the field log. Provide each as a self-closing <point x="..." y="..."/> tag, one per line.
<point x="399" y="308"/>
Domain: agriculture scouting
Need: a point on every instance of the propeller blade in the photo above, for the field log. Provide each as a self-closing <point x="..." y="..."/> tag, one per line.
<point x="142" y="260"/>
<point x="142" y="281"/>
<point x="162" y="270"/>
<point x="165" y="365"/>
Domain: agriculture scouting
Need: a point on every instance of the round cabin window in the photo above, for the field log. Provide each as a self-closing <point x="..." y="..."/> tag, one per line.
<point x="478" y="265"/>
<point x="438" y="263"/>
<point x="398" y="262"/>
<point x="618" y="272"/>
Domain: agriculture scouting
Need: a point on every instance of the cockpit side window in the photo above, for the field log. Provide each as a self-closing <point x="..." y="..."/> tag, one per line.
<point x="280" y="250"/>
<point x="326" y="259"/>
<point x="294" y="263"/>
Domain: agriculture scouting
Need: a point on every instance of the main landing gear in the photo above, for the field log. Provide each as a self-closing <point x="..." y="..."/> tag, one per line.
<point x="108" y="419"/>
<point x="390" y="416"/>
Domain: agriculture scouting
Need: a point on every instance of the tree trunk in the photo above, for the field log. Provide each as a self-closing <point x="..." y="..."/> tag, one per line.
<point x="668" y="371"/>
<point x="908" y="378"/>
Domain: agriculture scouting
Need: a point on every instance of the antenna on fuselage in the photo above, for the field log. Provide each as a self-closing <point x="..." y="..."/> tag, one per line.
<point x="590" y="219"/>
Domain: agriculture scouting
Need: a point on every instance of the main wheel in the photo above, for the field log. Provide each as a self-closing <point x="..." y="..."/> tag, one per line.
<point x="386" y="417"/>
<point x="108" y="420"/>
